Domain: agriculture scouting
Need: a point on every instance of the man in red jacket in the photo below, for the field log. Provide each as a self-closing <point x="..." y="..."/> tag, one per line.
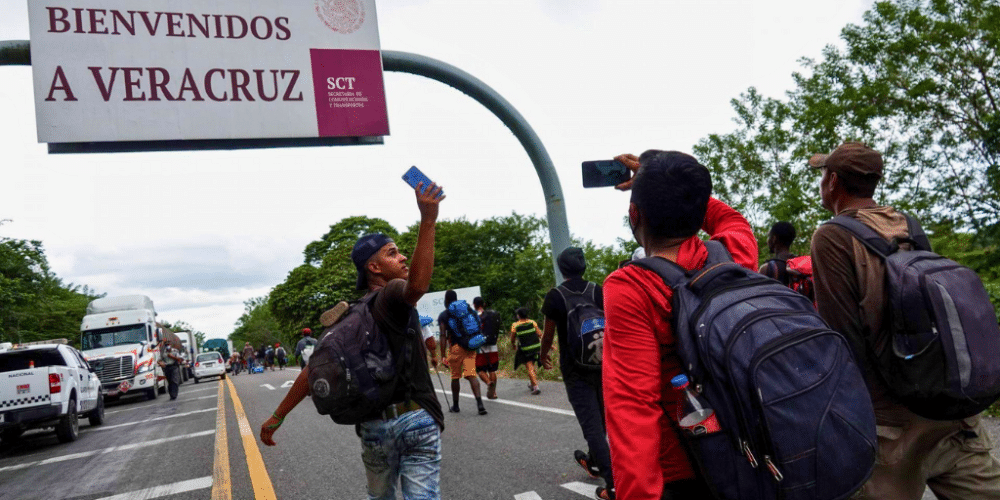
<point x="671" y="201"/>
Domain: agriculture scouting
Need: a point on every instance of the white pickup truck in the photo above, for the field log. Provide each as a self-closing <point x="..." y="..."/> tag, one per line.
<point x="47" y="385"/>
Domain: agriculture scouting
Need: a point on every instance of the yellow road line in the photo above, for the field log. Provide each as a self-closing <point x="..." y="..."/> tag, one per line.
<point x="262" y="488"/>
<point x="222" y="488"/>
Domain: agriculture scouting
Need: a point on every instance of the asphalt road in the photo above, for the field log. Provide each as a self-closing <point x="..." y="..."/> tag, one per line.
<point x="202" y="446"/>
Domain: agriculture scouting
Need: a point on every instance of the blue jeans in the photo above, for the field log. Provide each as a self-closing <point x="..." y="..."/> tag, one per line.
<point x="405" y="450"/>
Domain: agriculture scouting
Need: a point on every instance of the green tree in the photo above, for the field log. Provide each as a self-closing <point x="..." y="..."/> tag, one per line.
<point x="34" y="303"/>
<point x="258" y="326"/>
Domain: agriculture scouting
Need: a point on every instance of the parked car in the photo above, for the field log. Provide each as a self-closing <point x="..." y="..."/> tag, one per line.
<point x="209" y="364"/>
<point x="47" y="385"/>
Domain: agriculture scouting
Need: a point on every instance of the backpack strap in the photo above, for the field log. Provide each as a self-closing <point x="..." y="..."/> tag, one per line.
<point x="671" y="272"/>
<point x="866" y="235"/>
<point x="717" y="252"/>
<point x="917" y="233"/>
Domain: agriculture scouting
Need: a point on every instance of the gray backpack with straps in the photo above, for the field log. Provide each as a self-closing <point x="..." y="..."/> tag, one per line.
<point x="940" y="352"/>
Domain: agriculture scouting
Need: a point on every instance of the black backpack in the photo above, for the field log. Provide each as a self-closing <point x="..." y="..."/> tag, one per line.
<point x="940" y="357"/>
<point x="491" y="326"/>
<point x="584" y="326"/>
<point x="795" y="415"/>
<point x="352" y="371"/>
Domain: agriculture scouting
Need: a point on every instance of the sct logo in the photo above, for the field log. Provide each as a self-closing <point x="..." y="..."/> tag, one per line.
<point x="340" y="83"/>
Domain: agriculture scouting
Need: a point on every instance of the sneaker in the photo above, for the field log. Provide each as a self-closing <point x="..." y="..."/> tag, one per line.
<point x="536" y="391"/>
<point x="453" y="409"/>
<point x="605" y="493"/>
<point x="482" y="410"/>
<point x="584" y="460"/>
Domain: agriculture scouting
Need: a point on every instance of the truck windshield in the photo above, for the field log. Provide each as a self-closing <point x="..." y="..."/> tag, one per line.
<point x="112" y="336"/>
<point x="21" y="360"/>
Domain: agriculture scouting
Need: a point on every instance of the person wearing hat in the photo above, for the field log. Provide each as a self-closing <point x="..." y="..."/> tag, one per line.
<point x="404" y="438"/>
<point x="307" y="342"/>
<point x="583" y="387"/>
<point x="249" y="359"/>
<point x="281" y="355"/>
<point x="951" y="457"/>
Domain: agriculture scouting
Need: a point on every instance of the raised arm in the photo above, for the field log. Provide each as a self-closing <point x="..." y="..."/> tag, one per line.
<point x="422" y="264"/>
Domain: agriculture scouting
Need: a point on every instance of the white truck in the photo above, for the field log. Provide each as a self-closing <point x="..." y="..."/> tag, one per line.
<point x="119" y="338"/>
<point x="47" y="384"/>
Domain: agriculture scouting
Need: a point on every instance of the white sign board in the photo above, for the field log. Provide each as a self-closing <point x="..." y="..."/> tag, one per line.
<point x="142" y="70"/>
<point x="432" y="303"/>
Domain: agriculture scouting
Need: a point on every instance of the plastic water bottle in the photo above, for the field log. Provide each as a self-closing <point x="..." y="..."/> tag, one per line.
<point x="693" y="415"/>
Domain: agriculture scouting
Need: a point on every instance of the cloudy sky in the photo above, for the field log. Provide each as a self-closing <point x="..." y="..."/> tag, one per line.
<point x="200" y="232"/>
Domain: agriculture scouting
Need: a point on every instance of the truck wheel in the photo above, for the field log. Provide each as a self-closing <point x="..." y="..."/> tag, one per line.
<point x="11" y="435"/>
<point x="196" y="380"/>
<point x="222" y="377"/>
<point x="68" y="428"/>
<point x="96" y="415"/>
<point x="151" y="393"/>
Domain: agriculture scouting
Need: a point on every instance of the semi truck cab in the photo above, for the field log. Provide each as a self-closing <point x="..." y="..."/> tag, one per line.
<point x="119" y="339"/>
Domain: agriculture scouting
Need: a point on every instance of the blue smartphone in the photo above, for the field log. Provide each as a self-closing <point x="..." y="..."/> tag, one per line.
<point x="414" y="176"/>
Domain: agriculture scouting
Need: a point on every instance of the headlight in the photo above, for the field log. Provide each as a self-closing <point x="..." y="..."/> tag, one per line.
<point x="145" y="368"/>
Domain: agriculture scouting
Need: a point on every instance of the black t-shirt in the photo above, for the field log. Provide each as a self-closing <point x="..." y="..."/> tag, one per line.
<point x="443" y="324"/>
<point x="554" y="308"/>
<point x="400" y="322"/>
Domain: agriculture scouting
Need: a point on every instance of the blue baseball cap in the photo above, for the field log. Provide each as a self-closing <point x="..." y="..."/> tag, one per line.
<point x="367" y="246"/>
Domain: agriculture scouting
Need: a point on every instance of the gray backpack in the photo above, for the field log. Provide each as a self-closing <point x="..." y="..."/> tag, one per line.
<point x="352" y="372"/>
<point x="940" y="355"/>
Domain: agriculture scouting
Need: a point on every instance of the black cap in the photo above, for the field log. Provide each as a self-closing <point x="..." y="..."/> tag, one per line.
<point x="367" y="246"/>
<point x="571" y="262"/>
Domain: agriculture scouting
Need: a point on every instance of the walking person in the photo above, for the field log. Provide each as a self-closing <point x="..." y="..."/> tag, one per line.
<point x="304" y="347"/>
<point x="951" y="457"/>
<point x="401" y="444"/>
<point x="524" y="335"/>
<point x="462" y="361"/>
<point x="248" y="357"/>
<point x="583" y="386"/>
<point x="671" y="201"/>
<point x="170" y="361"/>
<point x="488" y="357"/>
<point x="280" y="355"/>
<point x="269" y="356"/>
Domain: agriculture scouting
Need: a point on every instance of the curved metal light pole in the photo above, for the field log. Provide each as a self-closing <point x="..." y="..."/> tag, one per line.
<point x="17" y="52"/>
<point x="447" y="74"/>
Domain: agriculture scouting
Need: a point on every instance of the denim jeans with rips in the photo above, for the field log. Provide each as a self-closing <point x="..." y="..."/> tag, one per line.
<point x="404" y="450"/>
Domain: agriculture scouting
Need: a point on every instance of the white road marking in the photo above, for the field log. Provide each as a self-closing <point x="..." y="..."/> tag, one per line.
<point x="287" y="384"/>
<point x="587" y="490"/>
<point x="531" y="495"/>
<point x="106" y="427"/>
<point x="559" y="411"/>
<point x="269" y="386"/>
<point x="146" y="407"/>
<point x="63" y="458"/>
<point x="164" y="490"/>
<point x="185" y="391"/>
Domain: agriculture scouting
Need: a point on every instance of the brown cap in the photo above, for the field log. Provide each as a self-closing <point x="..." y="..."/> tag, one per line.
<point x="851" y="158"/>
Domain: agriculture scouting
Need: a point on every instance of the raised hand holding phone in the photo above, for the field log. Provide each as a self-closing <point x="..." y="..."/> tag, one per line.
<point x="414" y="176"/>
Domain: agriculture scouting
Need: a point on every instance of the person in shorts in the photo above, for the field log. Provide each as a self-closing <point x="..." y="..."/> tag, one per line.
<point x="461" y="360"/>
<point x="487" y="356"/>
<point x="524" y="335"/>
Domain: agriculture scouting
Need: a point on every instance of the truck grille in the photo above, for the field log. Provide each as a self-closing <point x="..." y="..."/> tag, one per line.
<point x="111" y="369"/>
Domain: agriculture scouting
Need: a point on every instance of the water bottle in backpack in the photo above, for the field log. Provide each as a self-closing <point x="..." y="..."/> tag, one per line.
<point x="693" y="415"/>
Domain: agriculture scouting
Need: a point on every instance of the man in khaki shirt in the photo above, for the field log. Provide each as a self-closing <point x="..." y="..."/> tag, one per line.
<point x="951" y="457"/>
